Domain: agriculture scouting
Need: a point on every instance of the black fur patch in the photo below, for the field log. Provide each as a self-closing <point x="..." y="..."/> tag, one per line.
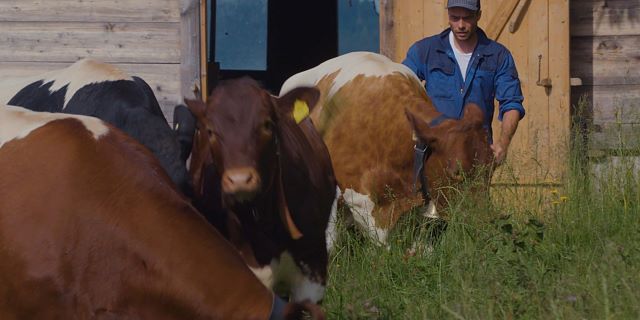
<point x="37" y="97"/>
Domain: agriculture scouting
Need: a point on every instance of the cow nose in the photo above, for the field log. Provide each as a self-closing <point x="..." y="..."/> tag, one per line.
<point x="241" y="183"/>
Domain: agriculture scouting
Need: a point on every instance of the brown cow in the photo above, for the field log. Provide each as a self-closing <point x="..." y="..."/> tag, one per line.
<point x="364" y="105"/>
<point x="274" y="176"/>
<point x="92" y="227"/>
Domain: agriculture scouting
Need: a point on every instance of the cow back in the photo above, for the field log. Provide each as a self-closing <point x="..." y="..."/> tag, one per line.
<point x="92" y="88"/>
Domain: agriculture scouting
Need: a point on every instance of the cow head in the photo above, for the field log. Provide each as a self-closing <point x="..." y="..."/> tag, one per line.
<point x="241" y="124"/>
<point x="459" y="148"/>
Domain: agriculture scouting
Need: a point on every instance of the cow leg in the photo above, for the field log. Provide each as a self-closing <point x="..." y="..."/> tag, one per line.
<point x="362" y="207"/>
<point x="332" y="228"/>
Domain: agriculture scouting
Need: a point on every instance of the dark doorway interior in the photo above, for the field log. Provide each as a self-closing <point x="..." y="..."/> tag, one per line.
<point x="300" y="35"/>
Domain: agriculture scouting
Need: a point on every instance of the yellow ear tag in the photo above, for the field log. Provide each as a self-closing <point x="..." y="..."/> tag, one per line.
<point x="300" y="110"/>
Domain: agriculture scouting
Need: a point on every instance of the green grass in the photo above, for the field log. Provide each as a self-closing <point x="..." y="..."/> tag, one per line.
<point x="580" y="259"/>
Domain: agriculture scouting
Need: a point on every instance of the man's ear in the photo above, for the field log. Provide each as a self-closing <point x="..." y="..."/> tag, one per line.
<point x="197" y="107"/>
<point x="298" y="103"/>
<point x="421" y="128"/>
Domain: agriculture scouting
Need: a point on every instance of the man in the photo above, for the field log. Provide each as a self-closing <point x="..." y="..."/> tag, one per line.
<point x="461" y="65"/>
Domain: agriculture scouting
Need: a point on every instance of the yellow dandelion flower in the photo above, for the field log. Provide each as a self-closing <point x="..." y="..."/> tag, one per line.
<point x="554" y="191"/>
<point x="564" y="198"/>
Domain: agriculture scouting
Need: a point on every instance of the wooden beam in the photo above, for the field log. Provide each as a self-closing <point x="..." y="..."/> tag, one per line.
<point x="387" y="29"/>
<point x="190" y="49"/>
<point x="204" y="92"/>
<point x="500" y="18"/>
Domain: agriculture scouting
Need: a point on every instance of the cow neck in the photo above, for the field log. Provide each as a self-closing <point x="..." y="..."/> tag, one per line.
<point x="275" y="198"/>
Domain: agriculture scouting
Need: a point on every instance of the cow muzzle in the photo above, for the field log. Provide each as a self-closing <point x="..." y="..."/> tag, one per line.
<point x="241" y="184"/>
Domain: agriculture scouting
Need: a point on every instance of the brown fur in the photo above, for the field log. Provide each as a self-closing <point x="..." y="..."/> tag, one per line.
<point x="94" y="229"/>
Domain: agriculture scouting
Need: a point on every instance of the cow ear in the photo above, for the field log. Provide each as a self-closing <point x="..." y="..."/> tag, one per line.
<point x="421" y="128"/>
<point x="197" y="107"/>
<point x="298" y="103"/>
<point x="473" y="114"/>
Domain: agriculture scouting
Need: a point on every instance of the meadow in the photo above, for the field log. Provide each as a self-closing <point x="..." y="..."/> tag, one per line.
<point x="578" y="259"/>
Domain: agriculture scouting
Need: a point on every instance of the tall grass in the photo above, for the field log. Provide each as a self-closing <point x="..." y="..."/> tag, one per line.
<point x="579" y="260"/>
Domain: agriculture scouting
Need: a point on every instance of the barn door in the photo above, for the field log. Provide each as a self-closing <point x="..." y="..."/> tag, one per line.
<point x="537" y="34"/>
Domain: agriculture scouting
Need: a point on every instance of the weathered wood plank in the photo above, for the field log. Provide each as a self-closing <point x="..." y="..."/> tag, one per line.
<point x="190" y="47"/>
<point x="619" y="103"/>
<point x="109" y="42"/>
<point x="605" y="17"/>
<point x="559" y="115"/>
<point x="606" y="60"/>
<point x="164" y="79"/>
<point x="387" y="29"/>
<point x="90" y="10"/>
<point x="615" y="136"/>
<point x="410" y="12"/>
<point x="615" y="171"/>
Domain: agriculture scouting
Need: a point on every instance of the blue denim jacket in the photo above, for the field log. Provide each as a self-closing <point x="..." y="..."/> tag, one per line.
<point x="491" y="74"/>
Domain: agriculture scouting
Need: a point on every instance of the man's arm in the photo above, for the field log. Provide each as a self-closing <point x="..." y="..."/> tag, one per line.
<point x="413" y="60"/>
<point x="509" y="95"/>
<point x="510" y="121"/>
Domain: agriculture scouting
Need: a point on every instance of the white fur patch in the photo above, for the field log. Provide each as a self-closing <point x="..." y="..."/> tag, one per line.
<point x="307" y="289"/>
<point x="17" y="123"/>
<point x="361" y="207"/>
<point x="76" y="76"/>
<point x="332" y="228"/>
<point x="287" y="275"/>
<point x="264" y="274"/>
<point x="350" y="65"/>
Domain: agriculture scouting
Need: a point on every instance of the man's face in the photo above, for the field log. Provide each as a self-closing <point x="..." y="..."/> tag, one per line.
<point x="463" y="22"/>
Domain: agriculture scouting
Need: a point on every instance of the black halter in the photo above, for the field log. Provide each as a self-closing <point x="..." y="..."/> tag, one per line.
<point x="422" y="153"/>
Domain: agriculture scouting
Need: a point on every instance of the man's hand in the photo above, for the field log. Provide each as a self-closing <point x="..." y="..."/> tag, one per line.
<point x="510" y="121"/>
<point x="499" y="152"/>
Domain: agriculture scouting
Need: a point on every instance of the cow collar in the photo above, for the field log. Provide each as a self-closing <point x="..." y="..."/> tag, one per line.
<point x="285" y="214"/>
<point x="421" y="154"/>
<point x="282" y="206"/>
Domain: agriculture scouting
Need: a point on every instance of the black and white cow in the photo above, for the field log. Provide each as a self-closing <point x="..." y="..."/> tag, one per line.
<point x="93" y="88"/>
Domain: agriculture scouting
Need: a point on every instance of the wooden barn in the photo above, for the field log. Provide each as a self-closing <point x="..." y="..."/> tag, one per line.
<point x="564" y="49"/>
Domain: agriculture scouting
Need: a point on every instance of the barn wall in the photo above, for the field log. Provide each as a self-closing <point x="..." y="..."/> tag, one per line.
<point x="605" y="46"/>
<point x="157" y="40"/>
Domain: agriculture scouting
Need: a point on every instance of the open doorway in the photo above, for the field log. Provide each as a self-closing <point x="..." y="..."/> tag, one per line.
<point x="272" y="40"/>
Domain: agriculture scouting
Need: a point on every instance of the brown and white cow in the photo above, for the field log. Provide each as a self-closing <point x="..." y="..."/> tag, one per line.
<point x="92" y="227"/>
<point x="274" y="175"/>
<point x="369" y="107"/>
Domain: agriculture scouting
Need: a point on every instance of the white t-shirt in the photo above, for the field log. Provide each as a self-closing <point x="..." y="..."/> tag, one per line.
<point x="462" y="58"/>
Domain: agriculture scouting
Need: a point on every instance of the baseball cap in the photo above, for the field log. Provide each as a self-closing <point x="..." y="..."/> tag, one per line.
<point x="473" y="5"/>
